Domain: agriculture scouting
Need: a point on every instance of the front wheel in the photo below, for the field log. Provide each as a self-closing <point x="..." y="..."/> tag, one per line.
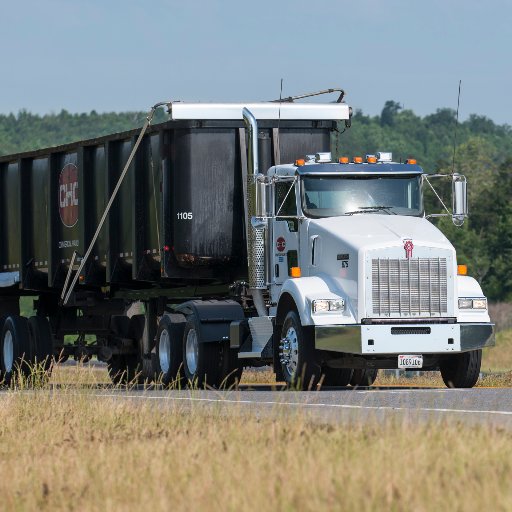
<point x="462" y="370"/>
<point x="296" y="354"/>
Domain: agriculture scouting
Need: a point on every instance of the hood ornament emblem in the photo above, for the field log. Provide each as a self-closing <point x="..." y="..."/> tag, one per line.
<point x="408" y="246"/>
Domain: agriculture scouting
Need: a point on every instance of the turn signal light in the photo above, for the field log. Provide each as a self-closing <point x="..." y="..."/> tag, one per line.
<point x="300" y="162"/>
<point x="358" y="160"/>
<point x="462" y="270"/>
<point x="343" y="160"/>
<point x="411" y="161"/>
<point x="295" y="272"/>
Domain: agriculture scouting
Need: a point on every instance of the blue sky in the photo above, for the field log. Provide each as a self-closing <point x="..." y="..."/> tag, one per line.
<point x="116" y="55"/>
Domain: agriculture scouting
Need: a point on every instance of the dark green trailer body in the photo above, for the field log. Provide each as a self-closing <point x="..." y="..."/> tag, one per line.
<point x="178" y="218"/>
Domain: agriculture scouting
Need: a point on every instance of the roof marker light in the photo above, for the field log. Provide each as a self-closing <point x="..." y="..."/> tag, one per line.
<point x="343" y="160"/>
<point x="300" y="162"/>
<point x="358" y="160"/>
<point x="411" y="161"/>
<point x="371" y="159"/>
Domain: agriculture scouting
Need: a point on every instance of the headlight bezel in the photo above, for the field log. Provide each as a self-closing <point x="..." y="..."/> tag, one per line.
<point x="473" y="303"/>
<point x="319" y="306"/>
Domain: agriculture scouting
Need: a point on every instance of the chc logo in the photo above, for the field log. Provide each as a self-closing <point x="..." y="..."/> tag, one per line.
<point x="68" y="195"/>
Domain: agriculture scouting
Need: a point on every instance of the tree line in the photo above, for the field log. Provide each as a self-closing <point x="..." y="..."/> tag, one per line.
<point x="477" y="147"/>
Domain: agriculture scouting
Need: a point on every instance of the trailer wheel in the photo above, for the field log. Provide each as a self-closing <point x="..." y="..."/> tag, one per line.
<point x="364" y="377"/>
<point x="15" y="348"/>
<point x="42" y="343"/>
<point x="337" y="376"/>
<point x="462" y="370"/>
<point x="296" y="352"/>
<point x="169" y="352"/>
<point x="201" y="361"/>
<point x="231" y="369"/>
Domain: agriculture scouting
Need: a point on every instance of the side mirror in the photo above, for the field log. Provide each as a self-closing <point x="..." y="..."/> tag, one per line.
<point x="460" y="199"/>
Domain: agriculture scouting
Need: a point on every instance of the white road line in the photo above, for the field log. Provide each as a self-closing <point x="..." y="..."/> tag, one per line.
<point x="301" y="404"/>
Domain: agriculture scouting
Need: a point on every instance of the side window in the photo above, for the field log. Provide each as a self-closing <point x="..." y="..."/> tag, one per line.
<point x="289" y="207"/>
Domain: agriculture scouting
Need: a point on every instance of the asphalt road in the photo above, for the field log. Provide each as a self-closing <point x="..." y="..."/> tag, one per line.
<point x="490" y="406"/>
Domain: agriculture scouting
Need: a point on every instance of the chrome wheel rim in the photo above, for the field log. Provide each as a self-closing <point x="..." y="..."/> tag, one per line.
<point x="192" y="351"/>
<point x="8" y="350"/>
<point x="289" y="351"/>
<point x="164" y="351"/>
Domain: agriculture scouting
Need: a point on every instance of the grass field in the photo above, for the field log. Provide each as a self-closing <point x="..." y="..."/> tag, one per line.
<point x="69" y="451"/>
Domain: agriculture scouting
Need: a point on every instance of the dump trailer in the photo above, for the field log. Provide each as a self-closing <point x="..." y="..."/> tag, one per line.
<point x="225" y="238"/>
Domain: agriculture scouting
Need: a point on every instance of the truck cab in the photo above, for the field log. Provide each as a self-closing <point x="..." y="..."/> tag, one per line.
<point x="373" y="283"/>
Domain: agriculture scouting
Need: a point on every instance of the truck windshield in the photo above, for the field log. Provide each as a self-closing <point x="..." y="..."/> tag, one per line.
<point x="332" y="196"/>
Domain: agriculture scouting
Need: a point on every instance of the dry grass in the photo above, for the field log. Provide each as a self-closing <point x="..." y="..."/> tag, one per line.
<point x="69" y="450"/>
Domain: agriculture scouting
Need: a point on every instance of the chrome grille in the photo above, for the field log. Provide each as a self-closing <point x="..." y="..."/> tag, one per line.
<point x="409" y="287"/>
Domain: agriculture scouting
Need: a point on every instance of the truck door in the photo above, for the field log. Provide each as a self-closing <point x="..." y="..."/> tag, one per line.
<point x="285" y="236"/>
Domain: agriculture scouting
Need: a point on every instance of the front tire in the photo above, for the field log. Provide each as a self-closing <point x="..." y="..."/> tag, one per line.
<point x="462" y="370"/>
<point x="296" y="353"/>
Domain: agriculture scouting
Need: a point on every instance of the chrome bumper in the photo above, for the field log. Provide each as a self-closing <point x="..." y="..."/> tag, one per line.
<point x="404" y="338"/>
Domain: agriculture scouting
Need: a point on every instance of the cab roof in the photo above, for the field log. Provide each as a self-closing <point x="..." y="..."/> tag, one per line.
<point x="335" y="169"/>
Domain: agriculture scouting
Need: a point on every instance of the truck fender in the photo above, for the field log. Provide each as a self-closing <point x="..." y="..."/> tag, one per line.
<point x="213" y="317"/>
<point x="303" y="291"/>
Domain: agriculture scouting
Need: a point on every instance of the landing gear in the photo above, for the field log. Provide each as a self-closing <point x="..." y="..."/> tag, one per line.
<point x="462" y="370"/>
<point x="296" y="354"/>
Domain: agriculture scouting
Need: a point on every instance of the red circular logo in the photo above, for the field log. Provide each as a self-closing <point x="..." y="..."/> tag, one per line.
<point x="68" y="195"/>
<point x="281" y="244"/>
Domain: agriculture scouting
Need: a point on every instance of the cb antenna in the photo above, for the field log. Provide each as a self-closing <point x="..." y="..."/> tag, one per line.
<point x="455" y="131"/>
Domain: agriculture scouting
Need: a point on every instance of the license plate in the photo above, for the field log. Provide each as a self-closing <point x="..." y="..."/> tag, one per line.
<point x="410" y="361"/>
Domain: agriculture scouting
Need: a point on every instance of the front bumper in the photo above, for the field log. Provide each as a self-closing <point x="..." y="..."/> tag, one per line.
<point x="404" y="338"/>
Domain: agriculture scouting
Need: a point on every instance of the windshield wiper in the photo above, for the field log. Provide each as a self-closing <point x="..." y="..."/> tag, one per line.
<point x="371" y="209"/>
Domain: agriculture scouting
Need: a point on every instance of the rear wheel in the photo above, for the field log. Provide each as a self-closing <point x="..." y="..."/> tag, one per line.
<point x="169" y="351"/>
<point x="201" y="361"/>
<point x="462" y="370"/>
<point x="42" y="343"/>
<point x="15" y="352"/>
<point x="296" y="354"/>
<point x="336" y="376"/>
<point x="363" y="377"/>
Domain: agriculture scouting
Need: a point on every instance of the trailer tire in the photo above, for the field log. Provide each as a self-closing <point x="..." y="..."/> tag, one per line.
<point x="364" y="377"/>
<point x="337" y="376"/>
<point x="462" y="370"/>
<point x="201" y="361"/>
<point x="300" y="369"/>
<point x="42" y="343"/>
<point x="169" y="352"/>
<point x="15" y="351"/>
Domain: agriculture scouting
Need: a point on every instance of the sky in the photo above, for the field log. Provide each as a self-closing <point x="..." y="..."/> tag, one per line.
<point x="113" y="55"/>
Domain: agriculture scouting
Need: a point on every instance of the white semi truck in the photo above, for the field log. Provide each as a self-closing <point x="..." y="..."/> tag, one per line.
<point x="327" y="270"/>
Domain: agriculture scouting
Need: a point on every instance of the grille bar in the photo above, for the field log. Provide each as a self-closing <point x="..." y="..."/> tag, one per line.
<point x="409" y="287"/>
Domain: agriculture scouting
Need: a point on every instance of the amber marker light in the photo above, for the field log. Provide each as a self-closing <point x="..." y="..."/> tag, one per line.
<point x="343" y="160"/>
<point x="411" y="161"/>
<point x="295" y="272"/>
<point x="371" y="159"/>
<point x="358" y="160"/>
<point x="300" y="162"/>
<point x="462" y="270"/>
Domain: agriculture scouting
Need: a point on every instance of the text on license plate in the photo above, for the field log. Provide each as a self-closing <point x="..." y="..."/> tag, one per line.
<point x="410" y="361"/>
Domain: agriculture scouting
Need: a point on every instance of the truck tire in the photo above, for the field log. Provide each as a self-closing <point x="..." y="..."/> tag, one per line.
<point x="42" y="343"/>
<point x="336" y="376"/>
<point x="231" y="368"/>
<point x="363" y="377"/>
<point x="201" y="361"/>
<point x="462" y="370"/>
<point x="297" y="354"/>
<point x="15" y="350"/>
<point x="169" y="352"/>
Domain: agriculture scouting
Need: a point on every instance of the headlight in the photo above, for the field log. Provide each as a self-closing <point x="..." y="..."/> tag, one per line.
<point x="328" y="305"/>
<point x="473" y="303"/>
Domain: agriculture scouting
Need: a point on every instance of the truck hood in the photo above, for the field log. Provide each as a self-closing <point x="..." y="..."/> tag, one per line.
<point x="368" y="230"/>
